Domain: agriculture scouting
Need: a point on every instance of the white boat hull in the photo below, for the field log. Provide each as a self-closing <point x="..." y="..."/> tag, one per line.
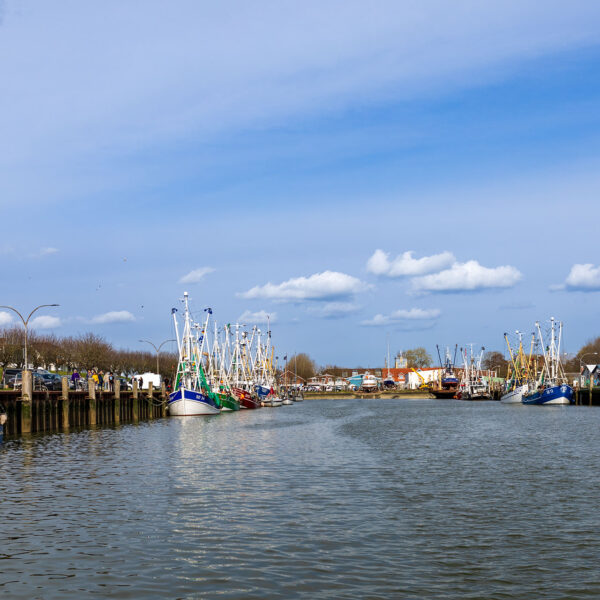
<point x="287" y="402"/>
<point x="187" y="403"/>
<point x="515" y="396"/>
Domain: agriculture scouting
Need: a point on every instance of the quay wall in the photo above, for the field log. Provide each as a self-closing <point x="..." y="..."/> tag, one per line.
<point x="37" y="411"/>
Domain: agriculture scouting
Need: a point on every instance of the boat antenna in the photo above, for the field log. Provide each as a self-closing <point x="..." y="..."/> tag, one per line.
<point x="455" y="349"/>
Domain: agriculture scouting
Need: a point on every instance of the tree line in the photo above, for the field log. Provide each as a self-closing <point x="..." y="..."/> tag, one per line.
<point x="85" y="352"/>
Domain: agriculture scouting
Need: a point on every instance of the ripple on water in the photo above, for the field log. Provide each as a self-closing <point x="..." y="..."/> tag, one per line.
<point x="344" y="499"/>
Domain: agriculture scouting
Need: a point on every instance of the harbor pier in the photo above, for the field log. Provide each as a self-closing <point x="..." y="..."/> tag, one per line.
<point x="45" y="411"/>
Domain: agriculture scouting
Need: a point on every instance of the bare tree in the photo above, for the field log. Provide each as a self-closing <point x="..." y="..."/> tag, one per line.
<point x="302" y="364"/>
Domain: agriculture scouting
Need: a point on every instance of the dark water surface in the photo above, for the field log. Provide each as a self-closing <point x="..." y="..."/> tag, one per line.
<point x="323" y="499"/>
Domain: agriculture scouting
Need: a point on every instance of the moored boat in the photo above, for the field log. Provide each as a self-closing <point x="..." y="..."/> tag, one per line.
<point x="552" y="388"/>
<point x="551" y="395"/>
<point x="473" y="385"/>
<point x="245" y="398"/>
<point x="515" y="395"/>
<point x="228" y="403"/>
<point x="191" y="393"/>
<point x="447" y="386"/>
<point x="186" y="403"/>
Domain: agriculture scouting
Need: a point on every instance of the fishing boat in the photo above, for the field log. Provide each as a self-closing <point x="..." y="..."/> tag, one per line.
<point x="515" y="394"/>
<point x="518" y="380"/>
<point x="246" y="398"/>
<point x="191" y="392"/>
<point x="473" y="385"/>
<point x="216" y="373"/>
<point x="448" y="383"/>
<point x="552" y="388"/>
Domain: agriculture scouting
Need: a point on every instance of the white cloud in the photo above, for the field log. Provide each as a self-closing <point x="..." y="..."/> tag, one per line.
<point x="45" y="322"/>
<point x="403" y="315"/>
<point x="196" y="275"/>
<point x="320" y="286"/>
<point x="333" y="310"/>
<point x="5" y="318"/>
<point x="114" y="316"/>
<point x="583" y="278"/>
<point x="260" y="316"/>
<point x="405" y="265"/>
<point x="468" y="276"/>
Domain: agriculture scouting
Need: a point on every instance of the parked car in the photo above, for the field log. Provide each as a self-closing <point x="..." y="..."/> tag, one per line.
<point x="53" y="381"/>
<point x="39" y="383"/>
<point x="8" y="374"/>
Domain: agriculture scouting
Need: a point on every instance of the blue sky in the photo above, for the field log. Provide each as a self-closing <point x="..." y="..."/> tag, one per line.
<point x="267" y="150"/>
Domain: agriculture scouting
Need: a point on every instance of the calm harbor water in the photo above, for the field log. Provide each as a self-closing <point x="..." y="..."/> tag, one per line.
<point x="324" y="499"/>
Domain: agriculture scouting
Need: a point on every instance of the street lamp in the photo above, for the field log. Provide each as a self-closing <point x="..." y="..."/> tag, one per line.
<point x="157" y="350"/>
<point x="26" y="323"/>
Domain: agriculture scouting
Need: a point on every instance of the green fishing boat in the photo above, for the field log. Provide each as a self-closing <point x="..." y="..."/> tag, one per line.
<point x="226" y="402"/>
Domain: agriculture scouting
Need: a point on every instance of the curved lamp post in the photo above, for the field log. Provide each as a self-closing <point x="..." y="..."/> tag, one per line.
<point x="26" y="323"/>
<point x="157" y="349"/>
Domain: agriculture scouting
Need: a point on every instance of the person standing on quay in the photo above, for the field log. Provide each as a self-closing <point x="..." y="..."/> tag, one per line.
<point x="75" y="379"/>
<point x="111" y="382"/>
<point x="95" y="379"/>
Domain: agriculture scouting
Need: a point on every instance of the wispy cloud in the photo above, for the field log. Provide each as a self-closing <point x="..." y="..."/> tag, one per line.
<point x="405" y="265"/>
<point x="468" y="277"/>
<point x="45" y="322"/>
<point x="333" y="310"/>
<point x="196" y="275"/>
<point x="581" y="278"/>
<point x="114" y="316"/>
<point x="43" y="252"/>
<point x="328" y="285"/>
<point x="403" y="315"/>
<point x="258" y="317"/>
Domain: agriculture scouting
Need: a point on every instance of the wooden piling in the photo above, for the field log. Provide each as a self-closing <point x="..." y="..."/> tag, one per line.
<point x="26" y="399"/>
<point x="117" y="409"/>
<point x="163" y="404"/>
<point x="92" y="401"/>
<point x="64" y="417"/>
<point x="150" y="400"/>
<point x="135" y="415"/>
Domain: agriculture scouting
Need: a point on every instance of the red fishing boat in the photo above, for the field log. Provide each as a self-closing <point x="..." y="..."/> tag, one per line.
<point x="247" y="400"/>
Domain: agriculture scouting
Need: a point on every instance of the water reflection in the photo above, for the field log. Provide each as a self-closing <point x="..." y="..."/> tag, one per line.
<point x="325" y="499"/>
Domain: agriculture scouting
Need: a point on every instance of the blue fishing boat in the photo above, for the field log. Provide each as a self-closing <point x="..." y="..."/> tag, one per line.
<point x="191" y="392"/>
<point x="555" y="394"/>
<point x="552" y="388"/>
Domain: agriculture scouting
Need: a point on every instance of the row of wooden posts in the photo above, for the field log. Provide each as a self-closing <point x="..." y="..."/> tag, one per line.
<point x="31" y="411"/>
